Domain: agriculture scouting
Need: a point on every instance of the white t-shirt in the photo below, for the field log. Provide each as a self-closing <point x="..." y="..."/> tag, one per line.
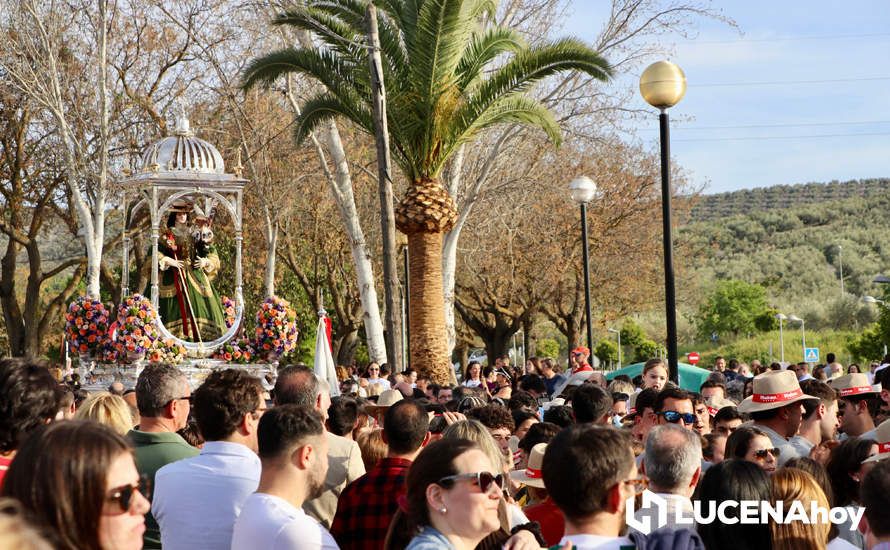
<point x="598" y="542"/>
<point x="270" y="523"/>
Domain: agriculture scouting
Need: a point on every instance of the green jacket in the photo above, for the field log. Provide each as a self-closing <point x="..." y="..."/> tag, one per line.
<point x="155" y="450"/>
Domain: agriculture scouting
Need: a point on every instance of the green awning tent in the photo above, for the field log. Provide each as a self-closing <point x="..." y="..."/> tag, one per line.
<point x="691" y="377"/>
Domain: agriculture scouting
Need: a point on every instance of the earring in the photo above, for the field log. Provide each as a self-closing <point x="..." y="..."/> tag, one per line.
<point x="443" y="510"/>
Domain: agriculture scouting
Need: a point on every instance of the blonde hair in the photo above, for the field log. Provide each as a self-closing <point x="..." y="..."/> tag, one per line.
<point x="476" y="432"/>
<point x="106" y="408"/>
<point x="372" y="446"/>
<point x="789" y="485"/>
<point x="621" y="386"/>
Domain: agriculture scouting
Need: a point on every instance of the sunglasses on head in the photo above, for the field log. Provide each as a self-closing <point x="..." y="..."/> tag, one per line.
<point x="123" y="495"/>
<point x="674" y="417"/>
<point x="483" y="479"/>
<point x="761" y="454"/>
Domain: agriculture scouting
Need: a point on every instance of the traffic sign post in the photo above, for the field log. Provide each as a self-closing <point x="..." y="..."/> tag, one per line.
<point x="811" y="355"/>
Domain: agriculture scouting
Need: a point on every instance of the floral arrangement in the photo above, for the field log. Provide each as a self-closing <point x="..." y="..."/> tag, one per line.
<point x="86" y="325"/>
<point x="229" y="310"/>
<point x="276" y="327"/>
<point x="136" y="329"/>
<point x="166" y="350"/>
<point x="236" y="351"/>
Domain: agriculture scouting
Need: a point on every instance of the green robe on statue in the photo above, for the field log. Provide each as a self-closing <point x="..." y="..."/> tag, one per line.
<point x="195" y="315"/>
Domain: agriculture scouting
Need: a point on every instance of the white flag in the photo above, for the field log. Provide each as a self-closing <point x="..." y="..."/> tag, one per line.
<point x="324" y="359"/>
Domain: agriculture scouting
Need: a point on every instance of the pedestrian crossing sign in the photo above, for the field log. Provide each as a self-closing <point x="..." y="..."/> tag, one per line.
<point x="811" y="355"/>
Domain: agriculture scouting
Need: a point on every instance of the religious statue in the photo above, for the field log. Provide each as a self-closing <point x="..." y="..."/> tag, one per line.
<point x="188" y="305"/>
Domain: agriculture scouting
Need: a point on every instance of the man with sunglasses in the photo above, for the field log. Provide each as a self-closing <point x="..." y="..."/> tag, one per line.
<point x="196" y="500"/>
<point x="163" y="397"/>
<point x="674" y="406"/>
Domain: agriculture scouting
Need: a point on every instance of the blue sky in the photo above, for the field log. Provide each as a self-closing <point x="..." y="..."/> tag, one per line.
<point x="799" y="92"/>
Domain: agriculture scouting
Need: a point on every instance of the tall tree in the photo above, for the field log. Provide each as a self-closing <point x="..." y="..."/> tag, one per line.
<point x="440" y="96"/>
<point x="51" y="55"/>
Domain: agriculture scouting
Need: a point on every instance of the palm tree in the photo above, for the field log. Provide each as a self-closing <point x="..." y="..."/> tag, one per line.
<point x="443" y="89"/>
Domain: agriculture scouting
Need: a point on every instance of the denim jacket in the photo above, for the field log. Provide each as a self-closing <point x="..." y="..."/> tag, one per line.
<point x="429" y="539"/>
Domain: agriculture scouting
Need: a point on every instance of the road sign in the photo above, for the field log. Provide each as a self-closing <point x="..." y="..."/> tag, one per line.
<point x="811" y="355"/>
<point x="693" y="358"/>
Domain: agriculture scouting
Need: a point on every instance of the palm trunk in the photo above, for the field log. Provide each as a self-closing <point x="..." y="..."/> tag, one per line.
<point x="426" y="316"/>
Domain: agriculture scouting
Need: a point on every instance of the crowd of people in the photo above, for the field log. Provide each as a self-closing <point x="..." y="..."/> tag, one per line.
<point x="505" y="457"/>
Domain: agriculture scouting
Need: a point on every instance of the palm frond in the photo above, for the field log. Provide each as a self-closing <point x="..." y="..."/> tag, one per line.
<point x="352" y="13"/>
<point x="332" y="31"/>
<point x="338" y="76"/>
<point x="324" y="107"/>
<point x="442" y="35"/>
<point x="513" y="108"/>
<point x="481" y="8"/>
<point x="532" y="65"/>
<point x="483" y="48"/>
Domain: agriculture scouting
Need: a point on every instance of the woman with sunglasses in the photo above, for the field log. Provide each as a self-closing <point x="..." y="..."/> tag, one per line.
<point x="473" y="375"/>
<point x="451" y="501"/>
<point x="752" y="444"/>
<point x="78" y="480"/>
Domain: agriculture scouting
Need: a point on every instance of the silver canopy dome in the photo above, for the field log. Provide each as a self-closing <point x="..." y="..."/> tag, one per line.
<point x="182" y="152"/>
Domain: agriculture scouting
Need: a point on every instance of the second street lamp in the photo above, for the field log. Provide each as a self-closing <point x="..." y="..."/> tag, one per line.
<point x="781" y="317"/>
<point x="663" y="85"/>
<point x="583" y="189"/>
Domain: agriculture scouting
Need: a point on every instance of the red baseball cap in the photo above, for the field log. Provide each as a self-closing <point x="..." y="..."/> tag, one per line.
<point x="581" y="349"/>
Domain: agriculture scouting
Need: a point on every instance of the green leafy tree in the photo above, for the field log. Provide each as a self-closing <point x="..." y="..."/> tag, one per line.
<point x="869" y="345"/>
<point x="735" y="307"/>
<point x="606" y="351"/>
<point x="449" y="76"/>
<point x="547" y="347"/>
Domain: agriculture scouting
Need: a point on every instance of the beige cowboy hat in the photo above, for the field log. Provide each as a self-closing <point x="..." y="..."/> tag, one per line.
<point x="532" y="476"/>
<point x="882" y="437"/>
<point x="854" y="384"/>
<point x="387" y="399"/>
<point x="715" y="403"/>
<point x="772" y="390"/>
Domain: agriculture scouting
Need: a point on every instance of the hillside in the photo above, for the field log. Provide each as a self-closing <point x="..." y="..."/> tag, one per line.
<point x="779" y="197"/>
<point x="787" y="239"/>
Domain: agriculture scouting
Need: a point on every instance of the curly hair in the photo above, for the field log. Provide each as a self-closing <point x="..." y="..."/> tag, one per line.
<point x="493" y="417"/>
<point x="220" y="403"/>
<point x="30" y="399"/>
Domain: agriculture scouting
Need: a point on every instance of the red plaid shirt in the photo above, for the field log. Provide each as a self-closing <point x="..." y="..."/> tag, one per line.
<point x="367" y="505"/>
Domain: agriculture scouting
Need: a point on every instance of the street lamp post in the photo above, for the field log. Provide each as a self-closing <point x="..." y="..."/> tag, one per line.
<point x="663" y="85"/>
<point x="618" y="333"/>
<point x="803" y="333"/>
<point x="583" y="189"/>
<point x="781" y="317"/>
